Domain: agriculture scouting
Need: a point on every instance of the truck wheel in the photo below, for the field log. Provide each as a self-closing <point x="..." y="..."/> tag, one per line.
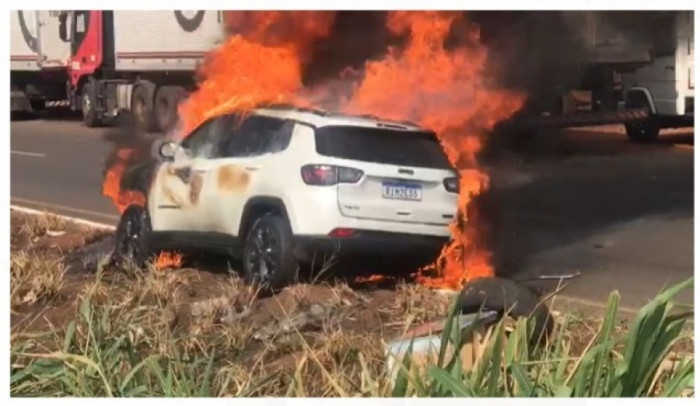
<point x="268" y="261"/>
<point x="87" y="105"/>
<point x="142" y="107"/>
<point x="166" y="103"/>
<point x="642" y="130"/>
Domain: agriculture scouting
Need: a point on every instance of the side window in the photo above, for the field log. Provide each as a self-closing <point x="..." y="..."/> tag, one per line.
<point x="256" y="135"/>
<point x="196" y="143"/>
<point x="80" y="25"/>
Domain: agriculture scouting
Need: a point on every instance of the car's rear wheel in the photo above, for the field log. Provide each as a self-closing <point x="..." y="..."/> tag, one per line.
<point x="268" y="261"/>
<point x="131" y="245"/>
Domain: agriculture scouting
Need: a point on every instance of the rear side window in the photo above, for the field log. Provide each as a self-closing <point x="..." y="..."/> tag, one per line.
<point x="256" y="135"/>
<point x="395" y="147"/>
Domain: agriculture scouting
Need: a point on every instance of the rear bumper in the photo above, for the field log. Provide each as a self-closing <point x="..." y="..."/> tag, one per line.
<point x="366" y="244"/>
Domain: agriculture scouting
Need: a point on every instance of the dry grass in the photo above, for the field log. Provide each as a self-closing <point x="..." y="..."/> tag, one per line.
<point x="35" y="278"/>
<point x="419" y="304"/>
<point x="39" y="226"/>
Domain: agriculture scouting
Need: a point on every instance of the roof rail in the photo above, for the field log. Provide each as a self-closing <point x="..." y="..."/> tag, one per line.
<point x="289" y="106"/>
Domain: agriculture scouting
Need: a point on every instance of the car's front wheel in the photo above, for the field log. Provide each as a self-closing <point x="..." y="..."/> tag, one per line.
<point x="131" y="245"/>
<point x="268" y="261"/>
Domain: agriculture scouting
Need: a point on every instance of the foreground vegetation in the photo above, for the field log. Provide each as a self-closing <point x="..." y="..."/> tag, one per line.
<point x="97" y="332"/>
<point x="115" y="349"/>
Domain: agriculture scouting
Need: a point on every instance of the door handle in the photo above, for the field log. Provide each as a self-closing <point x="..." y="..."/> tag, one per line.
<point x="253" y="167"/>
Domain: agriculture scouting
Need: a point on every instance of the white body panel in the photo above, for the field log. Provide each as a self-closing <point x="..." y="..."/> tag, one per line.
<point x="165" y="40"/>
<point x="668" y="78"/>
<point x="34" y="41"/>
<point x="311" y="210"/>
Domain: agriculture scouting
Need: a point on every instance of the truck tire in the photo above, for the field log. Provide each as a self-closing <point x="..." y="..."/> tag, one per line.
<point x="88" y="97"/>
<point x="268" y="259"/>
<point x="142" y="107"/>
<point x="166" y="103"/>
<point x="646" y="130"/>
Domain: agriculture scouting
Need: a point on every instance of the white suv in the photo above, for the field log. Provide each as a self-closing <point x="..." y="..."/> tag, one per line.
<point x="281" y="187"/>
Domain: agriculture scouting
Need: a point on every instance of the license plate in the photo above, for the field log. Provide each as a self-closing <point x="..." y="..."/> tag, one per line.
<point x="401" y="191"/>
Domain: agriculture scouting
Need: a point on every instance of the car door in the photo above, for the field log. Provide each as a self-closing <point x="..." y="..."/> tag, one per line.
<point x="177" y="187"/>
<point x="246" y="153"/>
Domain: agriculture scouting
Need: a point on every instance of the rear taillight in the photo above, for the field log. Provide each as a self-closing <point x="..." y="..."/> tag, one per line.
<point x="326" y="175"/>
<point x="342" y="232"/>
<point x="451" y="184"/>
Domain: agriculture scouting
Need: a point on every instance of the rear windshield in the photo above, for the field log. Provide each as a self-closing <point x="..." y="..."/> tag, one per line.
<point x="395" y="147"/>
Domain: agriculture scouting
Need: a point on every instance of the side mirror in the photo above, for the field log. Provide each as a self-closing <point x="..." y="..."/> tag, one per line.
<point x="63" y="26"/>
<point x="167" y="150"/>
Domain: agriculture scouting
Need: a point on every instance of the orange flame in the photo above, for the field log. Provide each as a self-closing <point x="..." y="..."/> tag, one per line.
<point x="448" y="92"/>
<point x="168" y="260"/>
<point x="370" y="279"/>
<point x="111" y="186"/>
<point x="259" y="65"/>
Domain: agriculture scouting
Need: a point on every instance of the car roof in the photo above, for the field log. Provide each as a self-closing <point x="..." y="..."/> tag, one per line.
<point x="322" y="118"/>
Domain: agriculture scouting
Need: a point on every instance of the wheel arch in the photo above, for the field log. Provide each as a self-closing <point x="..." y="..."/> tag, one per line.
<point x="640" y="93"/>
<point x="258" y="206"/>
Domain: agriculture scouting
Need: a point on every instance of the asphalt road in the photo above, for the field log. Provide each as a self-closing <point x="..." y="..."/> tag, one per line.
<point x="585" y="202"/>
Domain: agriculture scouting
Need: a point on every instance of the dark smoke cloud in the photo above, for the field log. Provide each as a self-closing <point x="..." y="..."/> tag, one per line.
<point x="356" y="37"/>
<point x="543" y="53"/>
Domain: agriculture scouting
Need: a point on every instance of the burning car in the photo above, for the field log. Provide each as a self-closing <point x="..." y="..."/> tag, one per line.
<point x="281" y="187"/>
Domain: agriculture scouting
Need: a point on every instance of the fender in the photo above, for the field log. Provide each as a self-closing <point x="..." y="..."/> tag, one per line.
<point x="647" y="95"/>
<point x="257" y="202"/>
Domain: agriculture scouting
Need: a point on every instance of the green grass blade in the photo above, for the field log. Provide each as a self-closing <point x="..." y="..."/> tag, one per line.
<point x="525" y="385"/>
<point x="206" y="384"/>
<point x="453" y="386"/>
<point x="495" y="371"/>
<point x="682" y="379"/>
<point x="609" y="322"/>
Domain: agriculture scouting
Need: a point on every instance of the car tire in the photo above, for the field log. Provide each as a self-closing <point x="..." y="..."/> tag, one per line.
<point x="142" y="108"/>
<point x="268" y="260"/>
<point x="88" y="97"/>
<point x="132" y="238"/>
<point x="165" y="106"/>
<point x="505" y="296"/>
<point x="642" y="130"/>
